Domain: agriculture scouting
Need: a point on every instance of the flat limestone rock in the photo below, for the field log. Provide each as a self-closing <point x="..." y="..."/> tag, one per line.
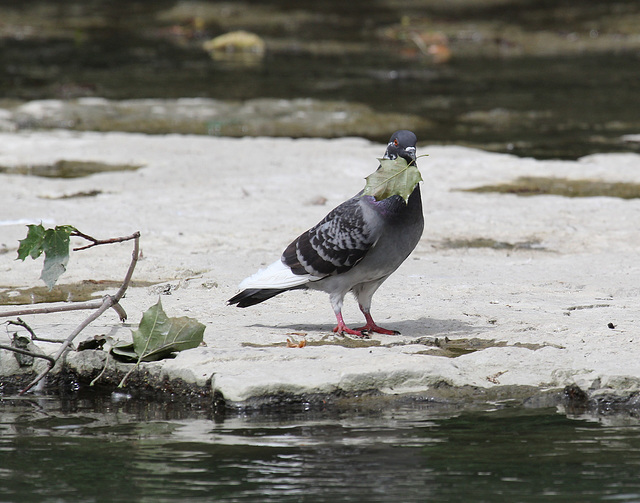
<point x="213" y="209"/>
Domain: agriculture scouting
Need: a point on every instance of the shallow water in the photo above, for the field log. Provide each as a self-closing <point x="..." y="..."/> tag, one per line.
<point x="122" y="450"/>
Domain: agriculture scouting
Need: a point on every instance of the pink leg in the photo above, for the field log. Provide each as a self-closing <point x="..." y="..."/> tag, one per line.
<point x="343" y="329"/>
<point x="372" y="327"/>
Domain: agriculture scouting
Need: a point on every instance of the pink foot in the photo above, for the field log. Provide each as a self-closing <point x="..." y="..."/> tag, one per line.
<point x="341" y="328"/>
<point x="372" y="327"/>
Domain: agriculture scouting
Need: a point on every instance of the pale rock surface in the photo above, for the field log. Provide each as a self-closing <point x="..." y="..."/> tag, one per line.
<point x="213" y="210"/>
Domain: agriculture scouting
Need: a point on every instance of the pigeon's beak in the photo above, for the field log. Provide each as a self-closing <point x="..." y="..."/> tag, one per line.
<point x="411" y="152"/>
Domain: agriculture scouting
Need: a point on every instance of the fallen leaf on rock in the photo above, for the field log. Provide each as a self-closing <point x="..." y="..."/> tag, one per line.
<point x="158" y="336"/>
<point x="95" y="342"/>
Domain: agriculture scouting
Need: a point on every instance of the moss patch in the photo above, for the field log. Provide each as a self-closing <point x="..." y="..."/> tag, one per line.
<point x="452" y="348"/>
<point x="534" y="186"/>
<point x="449" y="348"/>
<point x="327" y="340"/>
<point x="74" y="292"/>
<point x="490" y="243"/>
<point x="67" y="169"/>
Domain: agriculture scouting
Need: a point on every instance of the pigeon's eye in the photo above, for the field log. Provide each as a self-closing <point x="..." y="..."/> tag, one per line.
<point x="395" y="142"/>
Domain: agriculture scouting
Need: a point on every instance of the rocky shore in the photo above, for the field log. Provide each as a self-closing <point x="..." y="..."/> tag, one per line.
<point x="506" y="296"/>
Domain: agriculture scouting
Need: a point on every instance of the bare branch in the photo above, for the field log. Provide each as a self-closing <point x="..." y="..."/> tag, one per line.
<point x="21" y="323"/>
<point x="91" y="304"/>
<point x="108" y="301"/>
<point x="50" y="359"/>
<point x="122" y="314"/>
<point x="134" y="260"/>
<point x="106" y="364"/>
<point x="97" y="242"/>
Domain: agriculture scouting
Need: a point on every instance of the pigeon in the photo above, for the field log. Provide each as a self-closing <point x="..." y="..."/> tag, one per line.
<point x="354" y="248"/>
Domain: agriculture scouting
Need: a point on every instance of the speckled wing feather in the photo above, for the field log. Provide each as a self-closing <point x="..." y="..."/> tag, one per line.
<point x="334" y="245"/>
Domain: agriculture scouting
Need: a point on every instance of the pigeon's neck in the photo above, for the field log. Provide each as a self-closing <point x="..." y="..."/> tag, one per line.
<point x="394" y="206"/>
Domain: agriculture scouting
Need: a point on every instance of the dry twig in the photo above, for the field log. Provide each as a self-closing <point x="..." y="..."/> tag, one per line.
<point x="108" y="301"/>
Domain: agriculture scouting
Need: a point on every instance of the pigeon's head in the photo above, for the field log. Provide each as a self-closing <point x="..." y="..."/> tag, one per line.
<point x="402" y="144"/>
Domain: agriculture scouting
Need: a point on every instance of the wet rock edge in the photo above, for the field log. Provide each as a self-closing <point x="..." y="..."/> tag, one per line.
<point x="152" y="387"/>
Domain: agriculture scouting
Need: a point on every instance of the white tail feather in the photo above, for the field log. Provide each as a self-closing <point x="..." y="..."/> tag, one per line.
<point x="277" y="275"/>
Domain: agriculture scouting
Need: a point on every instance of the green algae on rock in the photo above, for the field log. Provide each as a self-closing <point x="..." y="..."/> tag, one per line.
<point x="68" y="292"/>
<point x="491" y="243"/>
<point x="537" y="185"/>
<point x="66" y="169"/>
<point x="300" y="117"/>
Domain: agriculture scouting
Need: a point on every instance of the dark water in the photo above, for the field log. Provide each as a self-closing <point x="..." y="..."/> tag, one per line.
<point x="85" y="451"/>
<point x="556" y="102"/>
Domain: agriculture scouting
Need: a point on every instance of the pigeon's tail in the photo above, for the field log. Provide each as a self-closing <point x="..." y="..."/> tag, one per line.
<point x="253" y="296"/>
<point x="275" y="277"/>
<point x="269" y="282"/>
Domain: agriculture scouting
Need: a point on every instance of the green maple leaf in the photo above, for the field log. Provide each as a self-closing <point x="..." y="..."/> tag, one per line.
<point x="56" y="254"/>
<point x="54" y="243"/>
<point x="394" y="177"/>
<point x="158" y="336"/>
<point x="32" y="244"/>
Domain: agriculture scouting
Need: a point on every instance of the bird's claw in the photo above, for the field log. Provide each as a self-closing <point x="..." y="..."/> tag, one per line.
<point x="365" y="334"/>
<point x="342" y="330"/>
<point x="378" y="330"/>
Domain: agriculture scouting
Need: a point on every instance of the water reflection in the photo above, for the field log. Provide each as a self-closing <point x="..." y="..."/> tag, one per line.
<point x="56" y="451"/>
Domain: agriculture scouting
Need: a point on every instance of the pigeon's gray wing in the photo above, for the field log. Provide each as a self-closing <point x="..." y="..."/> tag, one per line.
<point x="335" y="244"/>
